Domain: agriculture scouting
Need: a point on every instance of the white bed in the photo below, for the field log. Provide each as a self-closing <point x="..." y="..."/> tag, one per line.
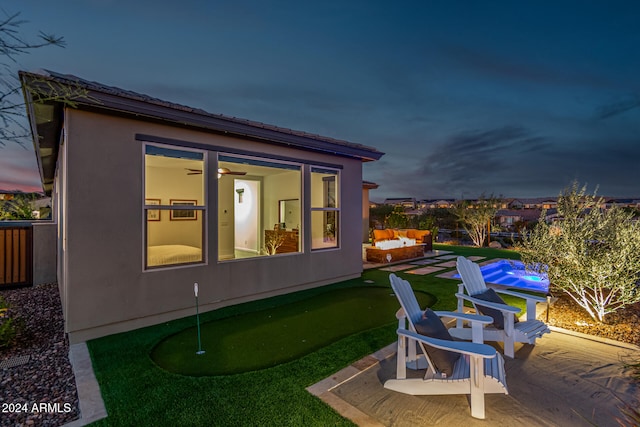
<point x="172" y="254"/>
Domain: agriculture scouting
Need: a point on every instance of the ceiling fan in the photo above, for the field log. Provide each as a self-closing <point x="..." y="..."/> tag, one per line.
<point x="221" y="171"/>
<point x="226" y="171"/>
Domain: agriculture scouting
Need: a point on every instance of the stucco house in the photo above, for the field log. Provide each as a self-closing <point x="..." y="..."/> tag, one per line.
<point x="151" y="196"/>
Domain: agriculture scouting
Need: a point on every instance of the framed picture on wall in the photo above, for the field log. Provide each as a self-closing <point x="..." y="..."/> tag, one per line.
<point x="183" y="214"/>
<point x="153" y="214"/>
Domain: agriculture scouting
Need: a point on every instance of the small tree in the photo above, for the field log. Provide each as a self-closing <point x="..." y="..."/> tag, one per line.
<point x="590" y="254"/>
<point x="475" y="217"/>
<point x="12" y="106"/>
<point x="12" y="44"/>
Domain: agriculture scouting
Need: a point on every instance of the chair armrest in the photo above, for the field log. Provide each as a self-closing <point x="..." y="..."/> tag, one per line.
<point x="494" y="305"/>
<point x="473" y="318"/>
<point x="521" y="295"/>
<point x="472" y="349"/>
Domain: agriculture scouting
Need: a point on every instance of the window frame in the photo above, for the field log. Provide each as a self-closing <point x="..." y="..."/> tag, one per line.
<point x="258" y="159"/>
<point x="338" y="201"/>
<point x="168" y="209"/>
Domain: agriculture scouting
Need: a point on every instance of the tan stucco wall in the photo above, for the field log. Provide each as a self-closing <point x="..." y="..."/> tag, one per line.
<point x="365" y="215"/>
<point x="44" y="252"/>
<point x="106" y="289"/>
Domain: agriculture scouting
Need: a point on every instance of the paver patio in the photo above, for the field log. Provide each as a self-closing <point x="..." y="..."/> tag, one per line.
<point x="565" y="380"/>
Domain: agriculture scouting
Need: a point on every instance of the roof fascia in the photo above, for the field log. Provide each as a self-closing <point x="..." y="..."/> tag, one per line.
<point x="141" y="108"/>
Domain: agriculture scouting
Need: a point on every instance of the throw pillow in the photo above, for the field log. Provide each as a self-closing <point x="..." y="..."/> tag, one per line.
<point x="491" y="296"/>
<point x="431" y="326"/>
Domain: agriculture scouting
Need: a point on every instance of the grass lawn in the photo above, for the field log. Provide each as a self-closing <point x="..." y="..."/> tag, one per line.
<point x="280" y="334"/>
<point x="136" y="391"/>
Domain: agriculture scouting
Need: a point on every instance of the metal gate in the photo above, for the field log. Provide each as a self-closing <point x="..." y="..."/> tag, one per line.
<point x="16" y="255"/>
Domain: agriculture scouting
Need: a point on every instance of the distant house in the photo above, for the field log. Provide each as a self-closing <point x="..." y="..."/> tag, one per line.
<point x="6" y="195"/>
<point x="405" y="202"/>
<point x="151" y="197"/>
<point x="535" y="203"/>
<point x="510" y="218"/>
<point x="11" y="194"/>
<point x="437" y="203"/>
<point x="621" y="203"/>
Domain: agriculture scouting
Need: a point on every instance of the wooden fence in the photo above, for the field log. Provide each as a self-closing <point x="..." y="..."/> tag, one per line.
<point x="16" y="255"/>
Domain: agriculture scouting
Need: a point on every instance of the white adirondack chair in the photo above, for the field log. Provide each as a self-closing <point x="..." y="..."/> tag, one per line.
<point x="479" y="370"/>
<point x="526" y="331"/>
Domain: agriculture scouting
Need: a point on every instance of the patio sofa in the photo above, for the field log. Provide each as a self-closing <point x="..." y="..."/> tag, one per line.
<point x="421" y="236"/>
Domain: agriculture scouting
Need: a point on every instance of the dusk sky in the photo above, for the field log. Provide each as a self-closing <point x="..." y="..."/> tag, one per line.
<point x="511" y="98"/>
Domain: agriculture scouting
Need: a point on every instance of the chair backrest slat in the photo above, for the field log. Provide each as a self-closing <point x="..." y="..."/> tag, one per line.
<point x="407" y="299"/>
<point x="409" y="303"/>
<point x="471" y="276"/>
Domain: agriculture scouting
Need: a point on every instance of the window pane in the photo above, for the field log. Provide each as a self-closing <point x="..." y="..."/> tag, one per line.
<point x="324" y="229"/>
<point x="324" y="188"/>
<point x="174" y="174"/>
<point x="174" y="179"/>
<point x="174" y="242"/>
<point x="258" y="207"/>
<point x="325" y="204"/>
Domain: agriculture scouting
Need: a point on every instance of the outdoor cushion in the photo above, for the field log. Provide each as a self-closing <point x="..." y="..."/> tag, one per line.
<point x="418" y="234"/>
<point x="382" y="235"/>
<point x="431" y="326"/>
<point x="498" y="318"/>
<point x="422" y="234"/>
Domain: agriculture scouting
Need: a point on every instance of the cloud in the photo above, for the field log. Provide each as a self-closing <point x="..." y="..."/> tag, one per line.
<point x="619" y="107"/>
<point x="521" y="67"/>
<point x="465" y="162"/>
<point x="18" y="169"/>
<point x="473" y="158"/>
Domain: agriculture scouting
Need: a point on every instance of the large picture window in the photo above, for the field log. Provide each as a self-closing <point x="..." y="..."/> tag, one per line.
<point x="325" y="208"/>
<point x="259" y="207"/>
<point x="174" y="206"/>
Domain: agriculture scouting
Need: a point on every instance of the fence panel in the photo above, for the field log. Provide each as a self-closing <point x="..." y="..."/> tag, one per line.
<point x="16" y="255"/>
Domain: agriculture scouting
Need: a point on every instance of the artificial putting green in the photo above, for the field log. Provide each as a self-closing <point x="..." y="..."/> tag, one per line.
<point x="270" y="337"/>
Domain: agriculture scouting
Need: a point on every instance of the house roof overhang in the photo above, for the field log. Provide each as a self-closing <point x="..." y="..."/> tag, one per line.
<point x="45" y="109"/>
<point x="369" y="185"/>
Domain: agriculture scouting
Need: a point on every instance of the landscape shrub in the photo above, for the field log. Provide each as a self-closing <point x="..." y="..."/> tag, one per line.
<point x="397" y="218"/>
<point x="7" y="326"/>
<point x="429" y="223"/>
<point x="590" y="254"/>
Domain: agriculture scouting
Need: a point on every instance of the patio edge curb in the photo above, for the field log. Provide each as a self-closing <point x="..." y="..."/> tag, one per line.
<point x="603" y="340"/>
<point x="89" y="397"/>
<point x="323" y="389"/>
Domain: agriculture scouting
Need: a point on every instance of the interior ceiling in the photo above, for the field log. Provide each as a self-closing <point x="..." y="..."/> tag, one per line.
<point x="251" y="169"/>
<point x="171" y="162"/>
